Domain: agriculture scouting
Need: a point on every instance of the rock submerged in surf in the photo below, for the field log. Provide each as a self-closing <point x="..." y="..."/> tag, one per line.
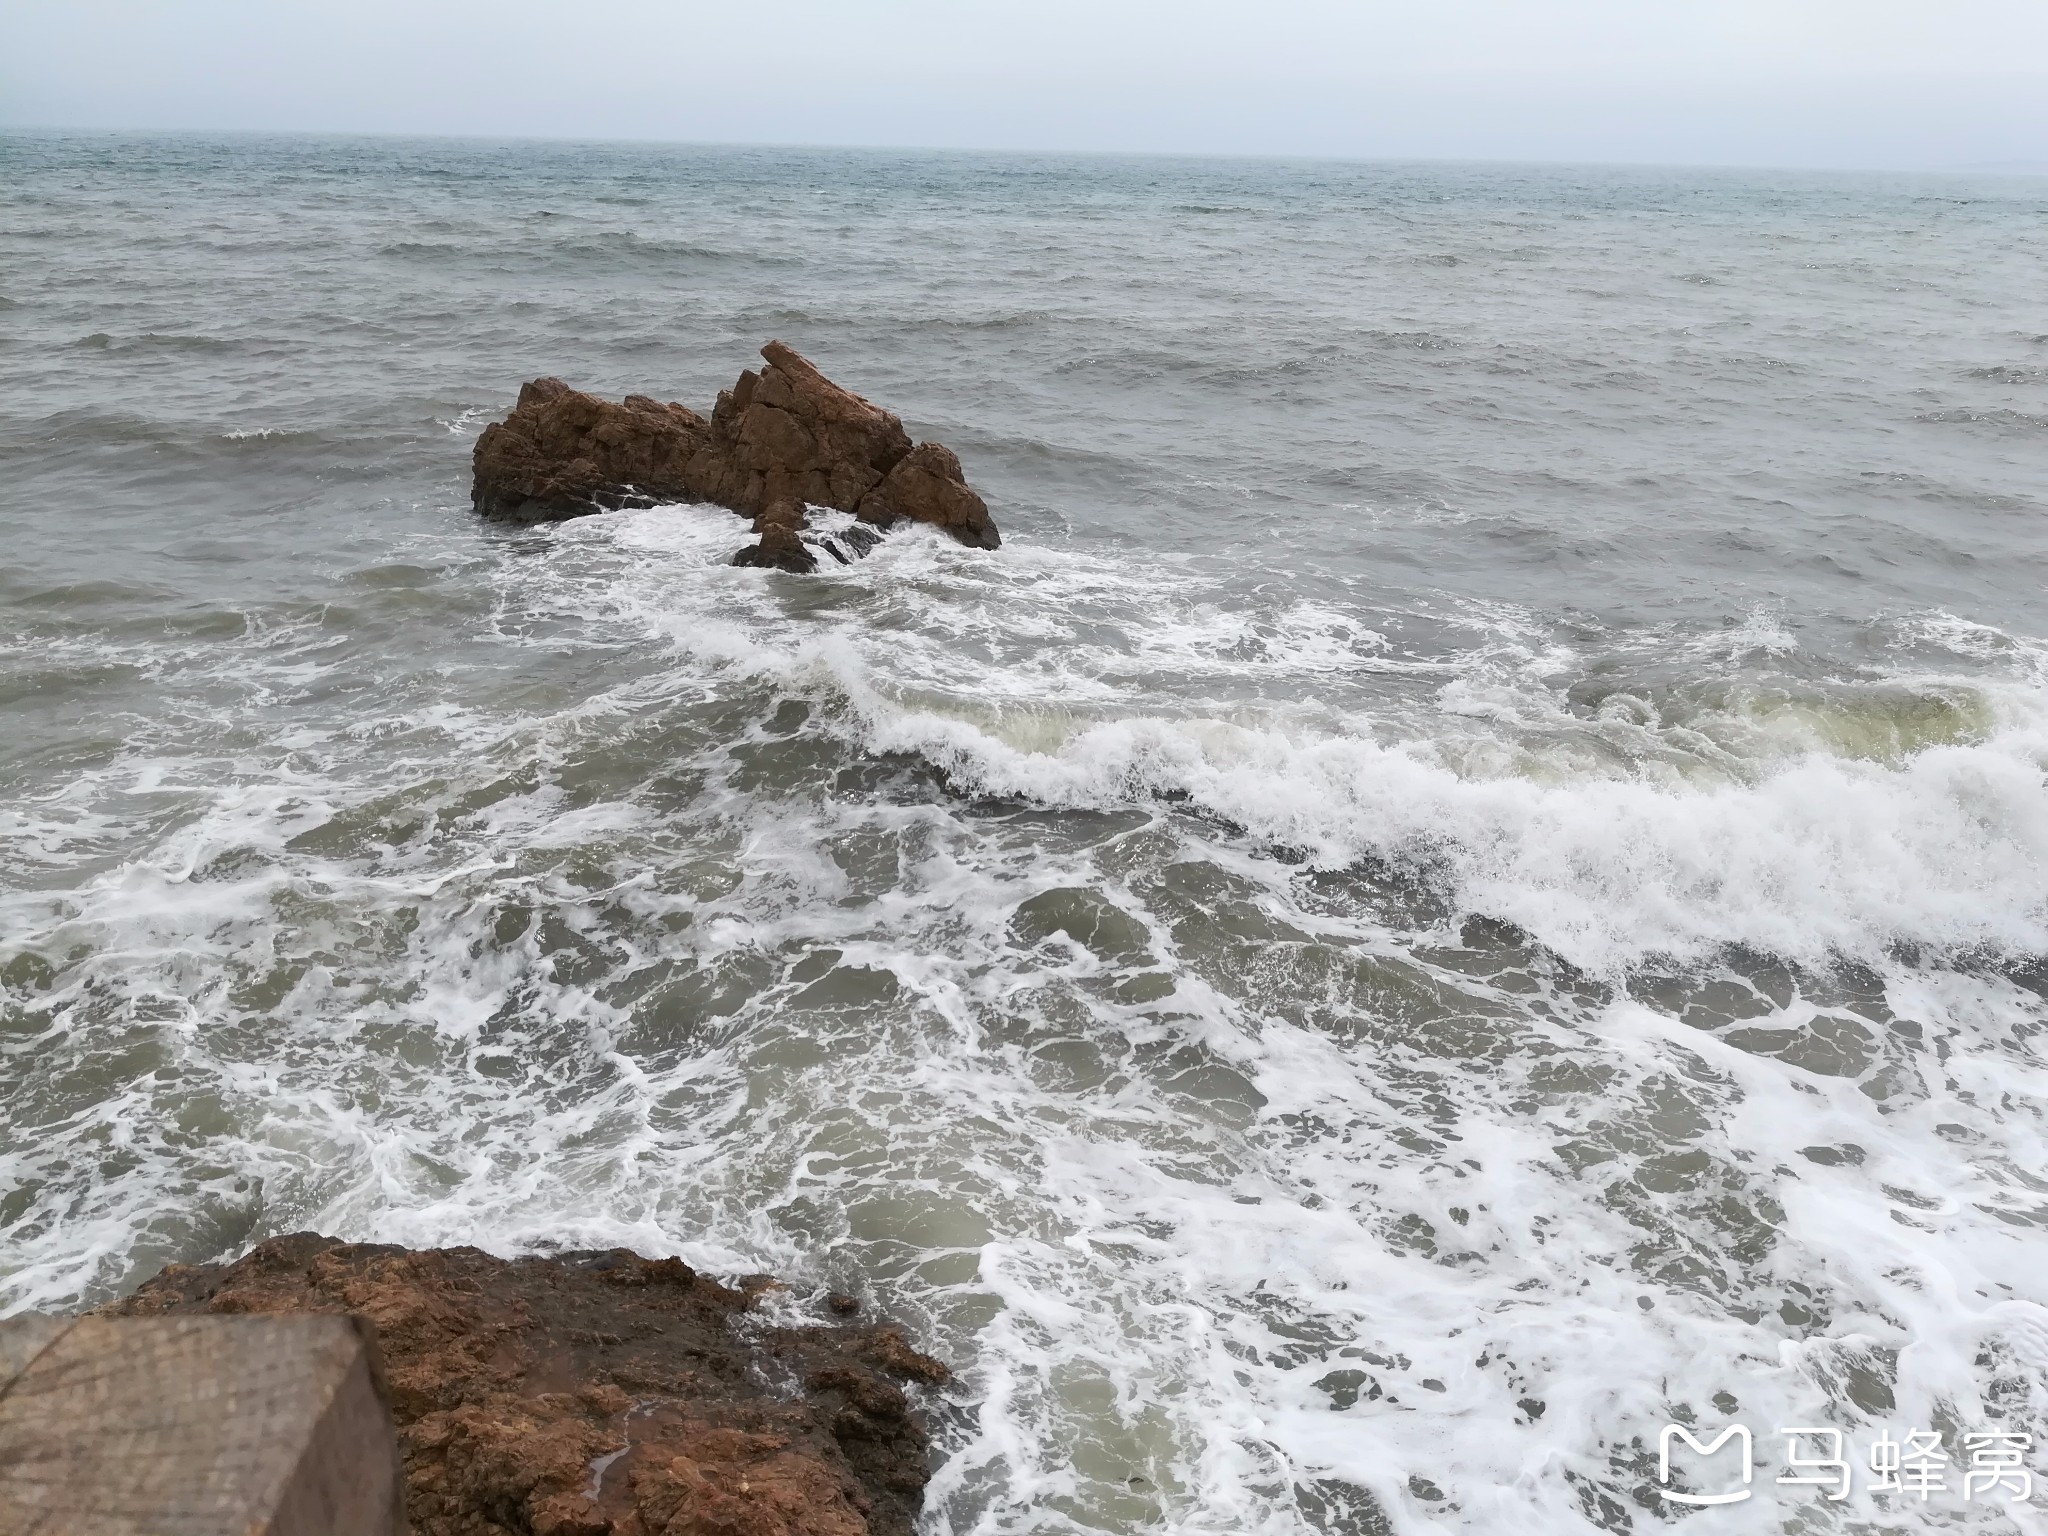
<point x="779" y="441"/>
<point x="603" y="1394"/>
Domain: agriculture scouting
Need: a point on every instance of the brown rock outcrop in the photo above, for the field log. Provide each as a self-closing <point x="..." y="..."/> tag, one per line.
<point x="926" y="486"/>
<point x="602" y="1394"/>
<point x="782" y="547"/>
<point x="786" y="436"/>
<point x="790" y="433"/>
<point x="562" y="453"/>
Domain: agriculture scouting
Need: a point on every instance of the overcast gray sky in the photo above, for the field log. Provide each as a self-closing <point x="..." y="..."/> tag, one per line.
<point x="1798" y="82"/>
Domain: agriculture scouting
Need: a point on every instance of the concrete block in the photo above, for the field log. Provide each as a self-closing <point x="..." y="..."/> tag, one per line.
<point x="195" y="1426"/>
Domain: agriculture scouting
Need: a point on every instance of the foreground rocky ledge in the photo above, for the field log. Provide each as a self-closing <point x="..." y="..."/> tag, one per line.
<point x="778" y="442"/>
<point x="602" y="1394"/>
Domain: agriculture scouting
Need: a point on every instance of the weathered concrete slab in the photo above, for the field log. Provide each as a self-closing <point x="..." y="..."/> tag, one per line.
<point x="195" y="1426"/>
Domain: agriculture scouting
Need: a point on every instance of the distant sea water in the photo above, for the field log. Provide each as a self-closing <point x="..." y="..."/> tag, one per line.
<point x="1470" y="883"/>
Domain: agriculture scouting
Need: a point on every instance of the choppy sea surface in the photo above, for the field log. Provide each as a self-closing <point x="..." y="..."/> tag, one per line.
<point x="1471" y="881"/>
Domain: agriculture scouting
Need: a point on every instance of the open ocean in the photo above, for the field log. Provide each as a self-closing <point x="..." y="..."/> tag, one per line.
<point x="1470" y="882"/>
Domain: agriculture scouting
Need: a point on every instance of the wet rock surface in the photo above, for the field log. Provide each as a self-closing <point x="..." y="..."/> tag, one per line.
<point x="603" y="1394"/>
<point x="927" y="486"/>
<point x="562" y="453"/>
<point x="783" y="437"/>
<point x="782" y="546"/>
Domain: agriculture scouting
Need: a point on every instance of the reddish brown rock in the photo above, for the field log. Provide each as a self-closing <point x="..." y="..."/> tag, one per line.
<point x="782" y="547"/>
<point x="790" y="433"/>
<point x="786" y="435"/>
<point x="562" y="453"/>
<point x="926" y="486"/>
<point x="602" y="1394"/>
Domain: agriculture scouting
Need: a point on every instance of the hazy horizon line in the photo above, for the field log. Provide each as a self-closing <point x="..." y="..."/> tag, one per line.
<point x="2017" y="168"/>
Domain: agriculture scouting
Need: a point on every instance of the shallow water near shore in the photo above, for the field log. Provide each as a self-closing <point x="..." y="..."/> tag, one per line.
<point x="1472" y="880"/>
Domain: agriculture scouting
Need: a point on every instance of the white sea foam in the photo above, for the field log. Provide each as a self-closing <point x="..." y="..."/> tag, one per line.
<point x="1797" y="850"/>
<point x="1221" y="1194"/>
<point x="1175" y="1327"/>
